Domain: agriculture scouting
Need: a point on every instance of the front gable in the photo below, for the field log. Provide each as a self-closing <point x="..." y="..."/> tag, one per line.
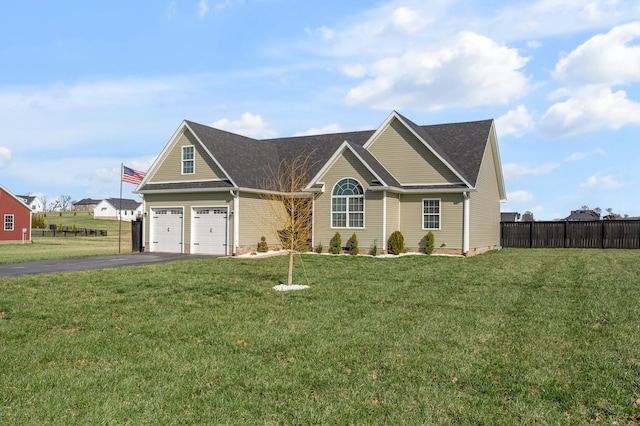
<point x="347" y="164"/>
<point x="407" y="157"/>
<point x="168" y="167"/>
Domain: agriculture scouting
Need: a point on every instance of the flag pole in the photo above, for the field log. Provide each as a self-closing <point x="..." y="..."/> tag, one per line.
<point x="120" y="208"/>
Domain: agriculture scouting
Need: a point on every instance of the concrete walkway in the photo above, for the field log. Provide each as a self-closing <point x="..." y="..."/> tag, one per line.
<point x="86" y="263"/>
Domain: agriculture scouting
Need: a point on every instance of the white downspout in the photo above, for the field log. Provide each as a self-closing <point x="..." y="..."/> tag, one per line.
<point x="465" y="224"/>
<point x="236" y="221"/>
<point x="313" y="221"/>
<point x="384" y="219"/>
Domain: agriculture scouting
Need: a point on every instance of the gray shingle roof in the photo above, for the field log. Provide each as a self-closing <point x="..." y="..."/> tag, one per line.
<point x="249" y="162"/>
<point x="127" y="204"/>
<point x="86" y="202"/>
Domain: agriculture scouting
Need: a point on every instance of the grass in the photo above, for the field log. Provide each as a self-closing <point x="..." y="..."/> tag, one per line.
<point x="508" y="337"/>
<point x="118" y="239"/>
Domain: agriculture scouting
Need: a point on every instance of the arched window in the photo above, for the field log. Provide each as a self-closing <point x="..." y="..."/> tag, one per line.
<point x="347" y="204"/>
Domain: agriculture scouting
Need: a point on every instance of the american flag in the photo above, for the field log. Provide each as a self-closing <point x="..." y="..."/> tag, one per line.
<point x="132" y="176"/>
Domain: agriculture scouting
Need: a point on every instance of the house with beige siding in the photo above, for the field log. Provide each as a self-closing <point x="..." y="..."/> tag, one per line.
<point x="207" y="190"/>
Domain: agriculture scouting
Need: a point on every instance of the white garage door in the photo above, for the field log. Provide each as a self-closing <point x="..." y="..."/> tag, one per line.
<point x="166" y="230"/>
<point x="209" y="230"/>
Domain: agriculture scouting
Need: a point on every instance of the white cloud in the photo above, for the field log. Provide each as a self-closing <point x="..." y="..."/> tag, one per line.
<point x="515" y="122"/>
<point x="601" y="181"/>
<point x="90" y="95"/>
<point x="515" y="171"/>
<point x="249" y="125"/>
<point x="354" y="71"/>
<point x="39" y="119"/>
<point x="408" y="20"/>
<point x="590" y="108"/>
<point x="382" y="30"/>
<point x="203" y="9"/>
<point x="519" y="196"/>
<point x="470" y="70"/>
<point x="534" y="44"/>
<point x="329" y="128"/>
<point x="518" y="20"/>
<point x="582" y="155"/>
<point x="5" y="156"/>
<point x="612" y="58"/>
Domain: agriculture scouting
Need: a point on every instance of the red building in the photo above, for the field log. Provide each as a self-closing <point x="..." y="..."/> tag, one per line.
<point x="15" y="216"/>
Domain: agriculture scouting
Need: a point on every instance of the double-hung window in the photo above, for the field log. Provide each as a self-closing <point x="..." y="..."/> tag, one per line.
<point x="347" y="204"/>
<point x="8" y="222"/>
<point x="188" y="160"/>
<point x="431" y="213"/>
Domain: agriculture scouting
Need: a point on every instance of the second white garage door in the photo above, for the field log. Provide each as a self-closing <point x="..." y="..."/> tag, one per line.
<point x="209" y="230"/>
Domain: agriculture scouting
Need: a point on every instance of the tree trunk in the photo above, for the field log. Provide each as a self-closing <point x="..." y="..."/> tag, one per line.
<point x="290" y="276"/>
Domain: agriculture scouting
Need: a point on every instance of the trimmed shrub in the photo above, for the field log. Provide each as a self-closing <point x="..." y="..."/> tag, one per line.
<point x="374" y="248"/>
<point x="263" y="247"/>
<point x="59" y="227"/>
<point x="353" y="245"/>
<point x="74" y="228"/>
<point x="336" y="244"/>
<point x="429" y="243"/>
<point x="395" y="245"/>
<point x="319" y="248"/>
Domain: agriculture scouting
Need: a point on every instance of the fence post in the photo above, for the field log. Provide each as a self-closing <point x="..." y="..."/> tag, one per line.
<point x="531" y="234"/>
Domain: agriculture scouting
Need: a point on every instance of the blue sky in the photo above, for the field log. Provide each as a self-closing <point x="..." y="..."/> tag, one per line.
<point x="86" y="86"/>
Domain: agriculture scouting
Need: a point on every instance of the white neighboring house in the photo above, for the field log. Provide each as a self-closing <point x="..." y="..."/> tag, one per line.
<point x="33" y="202"/>
<point x="109" y="208"/>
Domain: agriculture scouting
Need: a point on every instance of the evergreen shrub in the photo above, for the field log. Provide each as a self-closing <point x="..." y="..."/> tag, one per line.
<point x="395" y="245"/>
<point x="263" y="247"/>
<point x="336" y="244"/>
<point x="429" y="243"/>
<point x="354" y="250"/>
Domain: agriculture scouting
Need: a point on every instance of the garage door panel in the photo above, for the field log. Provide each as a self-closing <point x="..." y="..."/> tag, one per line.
<point x="166" y="230"/>
<point x="209" y="230"/>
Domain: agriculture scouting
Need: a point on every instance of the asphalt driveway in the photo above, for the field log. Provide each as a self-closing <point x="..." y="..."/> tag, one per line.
<point x="86" y="263"/>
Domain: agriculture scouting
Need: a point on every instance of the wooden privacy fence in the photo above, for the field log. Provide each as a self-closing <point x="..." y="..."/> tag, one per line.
<point x="621" y="234"/>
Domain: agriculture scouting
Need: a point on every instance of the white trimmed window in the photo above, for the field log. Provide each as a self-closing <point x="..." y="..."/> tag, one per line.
<point x="188" y="160"/>
<point x="347" y="204"/>
<point x="431" y="213"/>
<point x="8" y="222"/>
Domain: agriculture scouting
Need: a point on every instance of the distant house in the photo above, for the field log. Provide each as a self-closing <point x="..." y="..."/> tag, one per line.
<point x="16" y="218"/>
<point x="109" y="208"/>
<point x="85" y="205"/>
<point x="582" y="215"/>
<point x="509" y="217"/>
<point x="33" y="202"/>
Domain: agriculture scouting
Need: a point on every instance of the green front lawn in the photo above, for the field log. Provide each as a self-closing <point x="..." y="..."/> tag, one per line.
<point x="118" y="240"/>
<point x="509" y="337"/>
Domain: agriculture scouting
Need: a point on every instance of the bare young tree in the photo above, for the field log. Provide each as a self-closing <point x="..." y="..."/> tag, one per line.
<point x="291" y="208"/>
<point x="54" y="205"/>
<point x="527" y="216"/>
<point x="45" y="202"/>
<point x="65" y="202"/>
